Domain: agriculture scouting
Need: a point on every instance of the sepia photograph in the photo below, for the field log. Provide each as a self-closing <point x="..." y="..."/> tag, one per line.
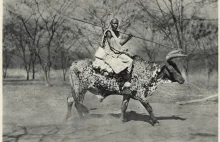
<point x="110" y="71"/>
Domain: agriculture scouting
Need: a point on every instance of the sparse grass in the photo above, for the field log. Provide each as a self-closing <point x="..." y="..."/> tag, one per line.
<point x="200" y="79"/>
<point x="20" y="74"/>
<point x="36" y="103"/>
<point x="16" y="74"/>
<point x="196" y="87"/>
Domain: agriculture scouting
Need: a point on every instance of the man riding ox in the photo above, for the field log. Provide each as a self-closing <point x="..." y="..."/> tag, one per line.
<point x="111" y="57"/>
<point x="114" y="72"/>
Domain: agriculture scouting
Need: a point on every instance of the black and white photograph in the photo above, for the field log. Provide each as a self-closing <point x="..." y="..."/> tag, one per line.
<point x="110" y="71"/>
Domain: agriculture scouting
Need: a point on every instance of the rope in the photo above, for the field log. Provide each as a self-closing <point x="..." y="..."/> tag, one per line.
<point x="83" y="21"/>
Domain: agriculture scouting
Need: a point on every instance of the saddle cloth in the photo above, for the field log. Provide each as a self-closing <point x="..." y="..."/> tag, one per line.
<point x="102" y="66"/>
<point x="110" y="64"/>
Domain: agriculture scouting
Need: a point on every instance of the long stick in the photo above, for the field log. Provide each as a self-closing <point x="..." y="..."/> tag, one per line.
<point x="213" y="97"/>
<point x="147" y="40"/>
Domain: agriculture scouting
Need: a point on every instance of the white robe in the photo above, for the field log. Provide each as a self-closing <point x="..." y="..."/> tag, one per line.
<point x="108" y="60"/>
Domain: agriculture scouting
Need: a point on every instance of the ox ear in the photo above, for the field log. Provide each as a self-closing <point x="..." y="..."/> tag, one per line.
<point x="175" y="54"/>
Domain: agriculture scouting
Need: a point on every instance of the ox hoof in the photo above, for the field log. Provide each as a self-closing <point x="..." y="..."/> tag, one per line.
<point x="68" y="115"/>
<point x="67" y="118"/>
<point x="155" y="122"/>
<point x="124" y="120"/>
<point x="101" y="100"/>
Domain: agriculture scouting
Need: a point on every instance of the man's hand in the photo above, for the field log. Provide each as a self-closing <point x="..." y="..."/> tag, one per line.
<point x="130" y="36"/>
<point x="126" y="39"/>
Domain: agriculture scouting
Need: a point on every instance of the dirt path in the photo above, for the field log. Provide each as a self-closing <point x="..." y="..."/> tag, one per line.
<point x="30" y="118"/>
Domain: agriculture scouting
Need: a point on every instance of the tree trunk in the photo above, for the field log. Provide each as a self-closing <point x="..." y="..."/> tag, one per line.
<point x="209" y="68"/>
<point x="48" y="72"/>
<point x="33" y="70"/>
<point x="64" y="75"/>
<point x="27" y="68"/>
<point x="64" y="71"/>
<point x="4" y="73"/>
<point x="27" y="78"/>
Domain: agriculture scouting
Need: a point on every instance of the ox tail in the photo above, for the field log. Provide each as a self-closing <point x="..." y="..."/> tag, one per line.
<point x="77" y="93"/>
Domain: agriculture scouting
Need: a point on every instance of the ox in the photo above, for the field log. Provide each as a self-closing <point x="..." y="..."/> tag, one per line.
<point x="144" y="78"/>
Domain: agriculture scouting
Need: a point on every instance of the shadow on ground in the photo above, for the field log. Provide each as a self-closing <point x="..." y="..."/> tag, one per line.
<point x="132" y="115"/>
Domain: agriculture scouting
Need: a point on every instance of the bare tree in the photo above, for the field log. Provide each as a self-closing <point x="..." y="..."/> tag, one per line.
<point x="15" y="38"/>
<point x="8" y="48"/>
<point x="205" y="34"/>
<point x="23" y="52"/>
<point x="169" y="17"/>
<point x="65" y="40"/>
<point x="99" y="14"/>
<point x="40" y="20"/>
<point x="50" y="14"/>
<point x="31" y="30"/>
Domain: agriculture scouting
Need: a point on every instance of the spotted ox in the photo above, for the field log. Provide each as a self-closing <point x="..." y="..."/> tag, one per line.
<point x="144" y="78"/>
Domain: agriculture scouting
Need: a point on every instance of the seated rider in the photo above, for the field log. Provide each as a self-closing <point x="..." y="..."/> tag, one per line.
<point x="111" y="52"/>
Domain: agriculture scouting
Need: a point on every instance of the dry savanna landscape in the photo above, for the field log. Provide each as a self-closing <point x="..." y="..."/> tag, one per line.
<point x="35" y="112"/>
<point x="42" y="38"/>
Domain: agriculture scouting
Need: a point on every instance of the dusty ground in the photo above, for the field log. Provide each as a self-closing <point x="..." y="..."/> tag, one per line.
<point x="36" y="113"/>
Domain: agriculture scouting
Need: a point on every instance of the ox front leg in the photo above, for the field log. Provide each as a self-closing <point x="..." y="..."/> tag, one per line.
<point x="124" y="106"/>
<point x="150" y="111"/>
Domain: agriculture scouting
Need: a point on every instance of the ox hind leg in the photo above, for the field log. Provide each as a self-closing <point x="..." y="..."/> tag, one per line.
<point x="77" y="100"/>
<point x="78" y="91"/>
<point x="71" y="99"/>
<point x="150" y="111"/>
<point x="81" y="109"/>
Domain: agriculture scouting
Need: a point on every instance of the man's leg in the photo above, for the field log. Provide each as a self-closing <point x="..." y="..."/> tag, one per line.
<point x="115" y="63"/>
<point x="128" y="61"/>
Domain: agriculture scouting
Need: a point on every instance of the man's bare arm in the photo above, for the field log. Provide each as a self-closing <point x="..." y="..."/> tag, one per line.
<point x="122" y="42"/>
<point x="108" y="37"/>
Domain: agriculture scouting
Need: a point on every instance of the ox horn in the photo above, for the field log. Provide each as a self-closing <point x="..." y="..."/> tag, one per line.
<point x="175" y="54"/>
